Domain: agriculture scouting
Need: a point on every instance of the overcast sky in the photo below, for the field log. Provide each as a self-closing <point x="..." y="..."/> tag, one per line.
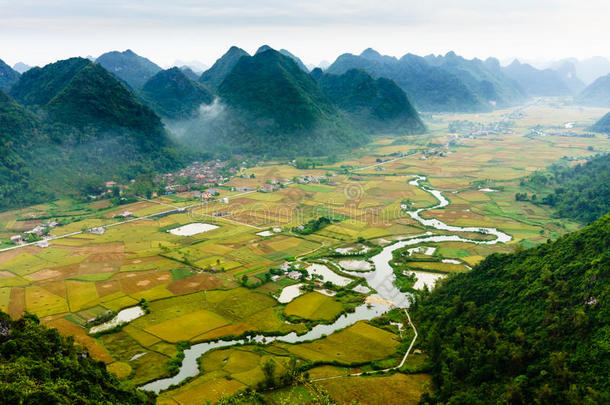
<point x="37" y="32"/>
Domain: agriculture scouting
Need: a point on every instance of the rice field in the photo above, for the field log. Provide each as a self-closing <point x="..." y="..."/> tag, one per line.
<point x="192" y="282"/>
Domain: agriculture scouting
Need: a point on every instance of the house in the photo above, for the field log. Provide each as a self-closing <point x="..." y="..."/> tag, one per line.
<point x="295" y="275"/>
<point x="43" y="243"/>
<point x="38" y="230"/>
<point x="51" y="224"/>
<point x="225" y="200"/>
<point x="17" y="239"/>
<point x="99" y="230"/>
<point x="110" y="184"/>
<point x="125" y="214"/>
<point x="285" y="267"/>
<point x="196" y="194"/>
<point x="276" y="278"/>
<point x="277" y="230"/>
<point x="266" y="188"/>
<point x="206" y="196"/>
<point x="213" y="191"/>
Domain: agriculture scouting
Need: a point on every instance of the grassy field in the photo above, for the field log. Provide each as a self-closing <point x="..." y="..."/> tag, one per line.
<point x="193" y="283"/>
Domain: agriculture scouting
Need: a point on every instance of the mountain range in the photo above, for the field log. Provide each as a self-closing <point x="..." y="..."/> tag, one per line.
<point x="542" y="83"/>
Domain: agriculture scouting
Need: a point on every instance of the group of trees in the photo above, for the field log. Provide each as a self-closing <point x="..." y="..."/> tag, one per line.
<point x="521" y="328"/>
<point x="39" y="366"/>
<point x="581" y="192"/>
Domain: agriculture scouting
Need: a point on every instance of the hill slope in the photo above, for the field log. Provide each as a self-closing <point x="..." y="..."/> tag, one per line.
<point x="38" y="366"/>
<point x="376" y="104"/>
<point x="430" y="88"/>
<point x="597" y="94"/>
<point x="135" y="70"/>
<point x="528" y="327"/>
<point x="603" y="125"/>
<point x="222" y="67"/>
<point x="173" y="95"/>
<point x="8" y="76"/>
<point x="281" y="109"/>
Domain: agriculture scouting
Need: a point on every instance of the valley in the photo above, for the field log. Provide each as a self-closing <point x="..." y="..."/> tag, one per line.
<point x="208" y="274"/>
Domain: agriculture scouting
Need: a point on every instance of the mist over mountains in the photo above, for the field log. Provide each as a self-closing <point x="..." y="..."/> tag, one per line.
<point x="63" y="124"/>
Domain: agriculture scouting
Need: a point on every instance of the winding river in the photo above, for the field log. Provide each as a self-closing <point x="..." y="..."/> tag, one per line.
<point x="381" y="279"/>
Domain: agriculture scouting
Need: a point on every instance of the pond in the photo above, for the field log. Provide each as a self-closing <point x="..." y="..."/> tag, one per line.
<point x="124" y="316"/>
<point x="192" y="229"/>
<point x="328" y="275"/>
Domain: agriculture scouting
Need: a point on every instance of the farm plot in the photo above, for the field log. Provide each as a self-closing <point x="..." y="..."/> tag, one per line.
<point x="314" y="306"/>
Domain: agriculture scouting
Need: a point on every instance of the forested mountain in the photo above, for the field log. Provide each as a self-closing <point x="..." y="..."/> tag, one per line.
<point x="429" y="88"/>
<point x="536" y="82"/>
<point x="173" y="95"/>
<point x="597" y="94"/>
<point x="588" y="69"/>
<point x="8" y="76"/>
<point x="279" y="109"/>
<point x="39" y="366"/>
<point x="378" y="105"/>
<point x="581" y="192"/>
<point x="603" y="125"/>
<point x="485" y="79"/>
<point x="135" y="70"/>
<point x="77" y="126"/>
<point x="222" y="67"/>
<point x="523" y="328"/>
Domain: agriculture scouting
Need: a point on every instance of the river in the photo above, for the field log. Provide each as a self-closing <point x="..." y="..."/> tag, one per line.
<point x="381" y="279"/>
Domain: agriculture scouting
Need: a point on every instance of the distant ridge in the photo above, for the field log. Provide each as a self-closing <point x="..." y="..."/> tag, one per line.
<point x="597" y="94"/>
<point x="135" y="70"/>
<point x="430" y="88"/>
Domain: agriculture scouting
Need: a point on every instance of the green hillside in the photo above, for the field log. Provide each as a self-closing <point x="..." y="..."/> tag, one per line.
<point x="222" y="67"/>
<point x="79" y="126"/>
<point x="39" y="366"/>
<point x="580" y="192"/>
<point x="8" y="76"/>
<point x="524" y="328"/>
<point x="603" y="125"/>
<point x="597" y="94"/>
<point x="282" y="110"/>
<point x="173" y="95"/>
<point x="376" y="104"/>
<point x="133" y="69"/>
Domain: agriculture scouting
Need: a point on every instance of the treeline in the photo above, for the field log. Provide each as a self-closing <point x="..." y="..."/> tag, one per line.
<point x="39" y="366"/>
<point x="581" y="192"/>
<point x="524" y="328"/>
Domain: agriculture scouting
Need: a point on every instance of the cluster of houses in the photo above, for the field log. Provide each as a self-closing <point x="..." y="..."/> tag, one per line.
<point x="472" y="130"/>
<point x="205" y="174"/>
<point x="289" y="271"/>
<point x="38" y="231"/>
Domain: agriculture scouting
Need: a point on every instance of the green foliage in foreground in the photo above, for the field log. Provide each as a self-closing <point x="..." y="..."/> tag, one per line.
<point x="38" y="366"/>
<point x="524" y="328"/>
<point x="581" y="192"/>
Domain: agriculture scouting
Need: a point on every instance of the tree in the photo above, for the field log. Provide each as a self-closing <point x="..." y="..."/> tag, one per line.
<point x="269" y="371"/>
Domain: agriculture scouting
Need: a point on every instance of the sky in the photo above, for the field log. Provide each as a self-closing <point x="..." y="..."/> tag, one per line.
<point x="38" y="32"/>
